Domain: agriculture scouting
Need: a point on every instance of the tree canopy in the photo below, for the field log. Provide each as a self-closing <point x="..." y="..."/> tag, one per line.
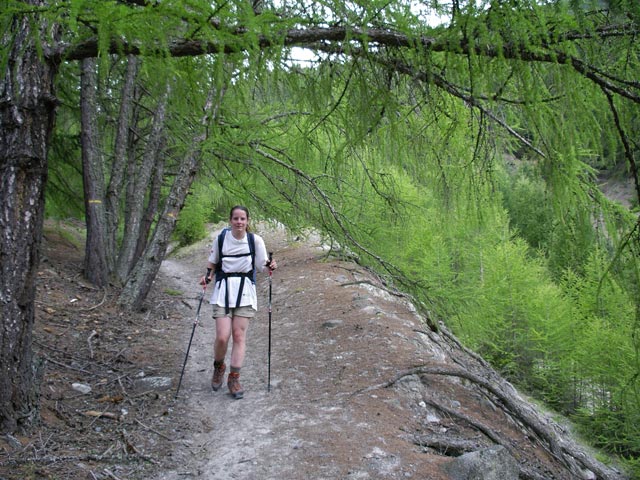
<point x="453" y="147"/>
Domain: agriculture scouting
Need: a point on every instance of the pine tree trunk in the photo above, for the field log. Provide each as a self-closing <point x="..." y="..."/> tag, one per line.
<point x="141" y="277"/>
<point x="27" y="106"/>
<point x="136" y="200"/>
<point x="96" y="269"/>
<point x="120" y="157"/>
<point x="152" y="206"/>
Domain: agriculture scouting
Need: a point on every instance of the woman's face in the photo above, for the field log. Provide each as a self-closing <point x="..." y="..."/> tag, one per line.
<point x="239" y="220"/>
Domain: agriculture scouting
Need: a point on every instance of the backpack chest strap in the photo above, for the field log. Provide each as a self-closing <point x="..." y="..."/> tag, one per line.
<point x="222" y="275"/>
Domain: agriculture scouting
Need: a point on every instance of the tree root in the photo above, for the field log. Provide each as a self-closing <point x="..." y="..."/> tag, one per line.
<point x="568" y="453"/>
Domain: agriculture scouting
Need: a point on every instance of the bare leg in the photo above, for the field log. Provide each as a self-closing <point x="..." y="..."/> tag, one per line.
<point x="239" y="327"/>
<point x="223" y="333"/>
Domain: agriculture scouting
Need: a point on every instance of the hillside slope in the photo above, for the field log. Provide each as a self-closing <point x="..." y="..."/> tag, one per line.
<point x="360" y="387"/>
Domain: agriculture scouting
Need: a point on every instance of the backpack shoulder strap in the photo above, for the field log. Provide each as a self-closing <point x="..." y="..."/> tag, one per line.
<point x="252" y="250"/>
<point x="221" y="236"/>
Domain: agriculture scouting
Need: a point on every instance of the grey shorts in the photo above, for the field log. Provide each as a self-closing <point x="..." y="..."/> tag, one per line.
<point x="247" y="312"/>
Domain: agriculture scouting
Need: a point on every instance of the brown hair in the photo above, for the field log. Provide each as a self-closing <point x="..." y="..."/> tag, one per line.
<point x="244" y="209"/>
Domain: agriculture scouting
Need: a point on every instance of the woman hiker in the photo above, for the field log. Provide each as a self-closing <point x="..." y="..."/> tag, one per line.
<point x="235" y="256"/>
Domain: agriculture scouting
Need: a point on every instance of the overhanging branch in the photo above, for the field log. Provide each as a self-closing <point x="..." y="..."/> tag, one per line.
<point x="341" y="39"/>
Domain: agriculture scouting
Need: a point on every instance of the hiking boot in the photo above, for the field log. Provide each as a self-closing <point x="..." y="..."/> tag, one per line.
<point x="233" y="382"/>
<point x="218" y="376"/>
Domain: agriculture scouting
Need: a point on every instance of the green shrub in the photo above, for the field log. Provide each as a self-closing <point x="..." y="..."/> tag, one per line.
<point x="191" y="225"/>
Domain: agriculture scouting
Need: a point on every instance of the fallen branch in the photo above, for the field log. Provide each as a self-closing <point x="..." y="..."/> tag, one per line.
<point x="486" y="431"/>
<point x="565" y="451"/>
<point x="110" y="366"/>
<point x="526" y="473"/>
<point x="130" y="447"/>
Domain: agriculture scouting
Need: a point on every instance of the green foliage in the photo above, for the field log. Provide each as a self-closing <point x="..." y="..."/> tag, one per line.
<point x="198" y="211"/>
<point x="421" y="200"/>
<point x="564" y="237"/>
<point x="605" y="325"/>
<point x="172" y="292"/>
<point x="394" y="154"/>
<point x="530" y="210"/>
<point x="191" y="224"/>
<point x="65" y="179"/>
<point x="614" y="430"/>
<point x="64" y="190"/>
<point x="70" y="231"/>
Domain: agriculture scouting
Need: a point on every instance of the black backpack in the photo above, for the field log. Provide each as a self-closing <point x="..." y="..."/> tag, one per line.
<point x="222" y="275"/>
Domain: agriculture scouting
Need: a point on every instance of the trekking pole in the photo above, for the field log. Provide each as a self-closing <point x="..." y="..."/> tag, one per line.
<point x="193" y="330"/>
<point x="269" y="349"/>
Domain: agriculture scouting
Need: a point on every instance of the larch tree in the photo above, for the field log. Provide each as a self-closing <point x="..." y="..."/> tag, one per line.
<point x="492" y="57"/>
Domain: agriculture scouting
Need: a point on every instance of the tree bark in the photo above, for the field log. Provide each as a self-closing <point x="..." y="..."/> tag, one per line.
<point x="141" y="278"/>
<point x="27" y="110"/>
<point x="96" y="269"/>
<point x="155" y="190"/>
<point x="136" y="207"/>
<point x="119" y="162"/>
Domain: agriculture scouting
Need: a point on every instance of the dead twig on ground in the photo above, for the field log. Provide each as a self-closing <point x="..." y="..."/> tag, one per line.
<point x="130" y="447"/>
<point x="60" y="364"/>
<point x="93" y="334"/>
<point x="110" y="474"/>
<point x="12" y="462"/>
<point x="104" y="298"/>
<point x="146" y="427"/>
<point x="95" y="414"/>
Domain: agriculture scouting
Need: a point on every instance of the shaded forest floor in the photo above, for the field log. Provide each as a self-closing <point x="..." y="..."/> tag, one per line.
<point x="347" y="399"/>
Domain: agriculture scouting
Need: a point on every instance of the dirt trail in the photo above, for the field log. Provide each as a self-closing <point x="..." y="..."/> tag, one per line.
<point x="342" y="405"/>
<point x="331" y="336"/>
<point x="335" y="334"/>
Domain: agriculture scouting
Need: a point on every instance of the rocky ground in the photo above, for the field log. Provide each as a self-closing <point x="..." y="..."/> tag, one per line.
<point x="360" y="386"/>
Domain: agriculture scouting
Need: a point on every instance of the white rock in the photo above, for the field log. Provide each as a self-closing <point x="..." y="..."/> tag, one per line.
<point x="81" y="387"/>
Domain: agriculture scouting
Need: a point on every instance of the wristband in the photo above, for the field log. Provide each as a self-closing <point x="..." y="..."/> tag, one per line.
<point x="207" y="277"/>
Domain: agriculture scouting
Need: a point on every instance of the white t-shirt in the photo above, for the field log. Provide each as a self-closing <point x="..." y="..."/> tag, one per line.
<point x="232" y="246"/>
